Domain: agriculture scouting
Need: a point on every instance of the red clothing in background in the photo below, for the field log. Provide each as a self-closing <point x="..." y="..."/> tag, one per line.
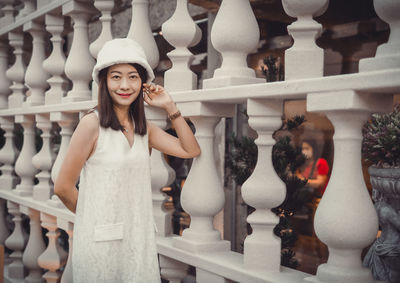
<point x="321" y="168"/>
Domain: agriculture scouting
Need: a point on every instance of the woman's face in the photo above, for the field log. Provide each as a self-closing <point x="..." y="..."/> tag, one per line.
<point x="307" y="150"/>
<point x="123" y="84"/>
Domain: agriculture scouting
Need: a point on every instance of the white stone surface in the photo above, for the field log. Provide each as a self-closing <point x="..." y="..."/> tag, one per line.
<point x="263" y="190"/>
<point x="181" y="32"/>
<point x="234" y="39"/>
<point x="304" y="59"/>
<point x="55" y="63"/>
<point x="388" y="54"/>
<point x="141" y="32"/>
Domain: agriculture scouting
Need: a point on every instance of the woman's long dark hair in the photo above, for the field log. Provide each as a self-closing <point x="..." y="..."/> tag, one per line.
<point x="107" y="116"/>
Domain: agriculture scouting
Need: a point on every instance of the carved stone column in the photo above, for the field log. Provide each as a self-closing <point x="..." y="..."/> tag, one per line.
<point x="140" y="31"/>
<point x="234" y="39"/>
<point x="4" y="233"/>
<point x="55" y="63"/>
<point x="8" y="12"/>
<point x="79" y="64"/>
<point x="346" y="200"/>
<point x="29" y="7"/>
<point x="17" y="71"/>
<point x="263" y="190"/>
<point x="172" y="270"/>
<point x="388" y="54"/>
<point x="24" y="167"/>
<point x="43" y="160"/>
<point x="5" y="82"/>
<point x="203" y="197"/>
<point x="304" y="59"/>
<point x="51" y="258"/>
<point x="35" y="75"/>
<point x="16" y="243"/>
<point x="69" y="228"/>
<point x="67" y="122"/>
<point x="105" y="7"/>
<point x="181" y="32"/>
<point x="34" y="247"/>
<point x="8" y="155"/>
<point x="162" y="175"/>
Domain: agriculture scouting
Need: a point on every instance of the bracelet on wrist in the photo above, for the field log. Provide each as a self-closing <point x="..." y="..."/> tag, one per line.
<point x="174" y="115"/>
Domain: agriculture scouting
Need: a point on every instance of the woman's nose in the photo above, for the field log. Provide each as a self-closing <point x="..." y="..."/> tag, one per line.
<point x="124" y="83"/>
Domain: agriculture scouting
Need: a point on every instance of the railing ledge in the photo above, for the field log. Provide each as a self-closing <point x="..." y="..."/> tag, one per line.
<point x="227" y="264"/>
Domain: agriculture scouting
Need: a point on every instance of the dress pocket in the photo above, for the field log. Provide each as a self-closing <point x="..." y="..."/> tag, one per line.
<point x="109" y="232"/>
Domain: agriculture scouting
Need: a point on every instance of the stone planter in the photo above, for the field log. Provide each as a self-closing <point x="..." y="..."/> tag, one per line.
<point x="383" y="258"/>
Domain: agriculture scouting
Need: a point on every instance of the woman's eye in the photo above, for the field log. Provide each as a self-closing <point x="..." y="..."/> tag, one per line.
<point x="133" y="77"/>
<point x="115" y="77"/>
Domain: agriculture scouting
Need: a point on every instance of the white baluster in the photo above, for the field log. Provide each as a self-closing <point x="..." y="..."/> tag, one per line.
<point x="263" y="190"/>
<point x="203" y="276"/>
<point x="8" y="155"/>
<point x="69" y="228"/>
<point x="5" y="82"/>
<point x="55" y="63"/>
<point x="34" y="248"/>
<point x="203" y="197"/>
<point x="79" y="64"/>
<point x="8" y="11"/>
<point x="304" y="59"/>
<point x="51" y="258"/>
<point x="181" y="32"/>
<point x="4" y="233"/>
<point x="35" y="75"/>
<point x="23" y="166"/>
<point x="172" y="270"/>
<point x="161" y="175"/>
<point x="29" y="7"/>
<point x="17" y="71"/>
<point x="234" y="34"/>
<point x="16" y="243"/>
<point x="346" y="200"/>
<point x="140" y="31"/>
<point x="67" y="122"/>
<point x="105" y="7"/>
<point x="388" y="54"/>
<point x="43" y="160"/>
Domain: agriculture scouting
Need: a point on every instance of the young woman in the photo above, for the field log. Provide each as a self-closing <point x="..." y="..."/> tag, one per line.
<point x="314" y="169"/>
<point x="114" y="237"/>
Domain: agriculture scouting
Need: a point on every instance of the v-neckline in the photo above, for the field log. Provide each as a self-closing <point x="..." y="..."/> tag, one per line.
<point x="127" y="141"/>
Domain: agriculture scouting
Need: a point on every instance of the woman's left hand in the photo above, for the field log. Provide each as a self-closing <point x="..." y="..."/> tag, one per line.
<point x="156" y="95"/>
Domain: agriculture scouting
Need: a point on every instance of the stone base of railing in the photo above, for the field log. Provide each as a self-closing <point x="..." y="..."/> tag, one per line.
<point x="197" y="247"/>
<point x="7" y="278"/>
<point x="226" y="264"/>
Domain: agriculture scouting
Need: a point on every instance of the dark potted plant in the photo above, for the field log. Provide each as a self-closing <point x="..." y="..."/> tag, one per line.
<point x="381" y="148"/>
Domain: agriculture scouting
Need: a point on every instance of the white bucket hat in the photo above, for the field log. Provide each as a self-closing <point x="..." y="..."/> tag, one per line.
<point x="121" y="50"/>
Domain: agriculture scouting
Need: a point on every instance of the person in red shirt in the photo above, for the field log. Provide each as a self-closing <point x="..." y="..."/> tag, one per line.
<point x="315" y="169"/>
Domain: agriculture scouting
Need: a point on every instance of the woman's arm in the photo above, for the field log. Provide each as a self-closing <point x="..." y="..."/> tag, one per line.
<point x="185" y="146"/>
<point x="82" y="145"/>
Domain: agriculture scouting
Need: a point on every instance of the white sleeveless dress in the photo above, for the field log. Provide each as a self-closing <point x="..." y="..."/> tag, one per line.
<point x="114" y="236"/>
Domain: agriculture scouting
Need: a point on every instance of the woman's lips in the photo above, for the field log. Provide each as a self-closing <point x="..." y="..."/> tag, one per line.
<point x="124" y="94"/>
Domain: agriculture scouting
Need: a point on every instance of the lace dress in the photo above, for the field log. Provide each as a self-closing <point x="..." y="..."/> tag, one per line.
<point x="114" y="236"/>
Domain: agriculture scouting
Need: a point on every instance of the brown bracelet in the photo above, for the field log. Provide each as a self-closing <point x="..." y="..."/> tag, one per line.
<point x="175" y="115"/>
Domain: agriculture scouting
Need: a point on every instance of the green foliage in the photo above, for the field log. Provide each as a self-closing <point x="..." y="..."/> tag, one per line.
<point x="242" y="158"/>
<point x="381" y="143"/>
<point x="272" y="69"/>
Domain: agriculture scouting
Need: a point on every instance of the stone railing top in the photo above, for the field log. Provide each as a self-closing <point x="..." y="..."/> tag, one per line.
<point x="37" y="13"/>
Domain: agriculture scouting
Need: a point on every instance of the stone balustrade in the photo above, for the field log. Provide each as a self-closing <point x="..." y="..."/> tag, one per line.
<point x="48" y="92"/>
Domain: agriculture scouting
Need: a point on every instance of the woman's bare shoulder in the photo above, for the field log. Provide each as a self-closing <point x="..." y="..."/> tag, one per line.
<point x="88" y="125"/>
